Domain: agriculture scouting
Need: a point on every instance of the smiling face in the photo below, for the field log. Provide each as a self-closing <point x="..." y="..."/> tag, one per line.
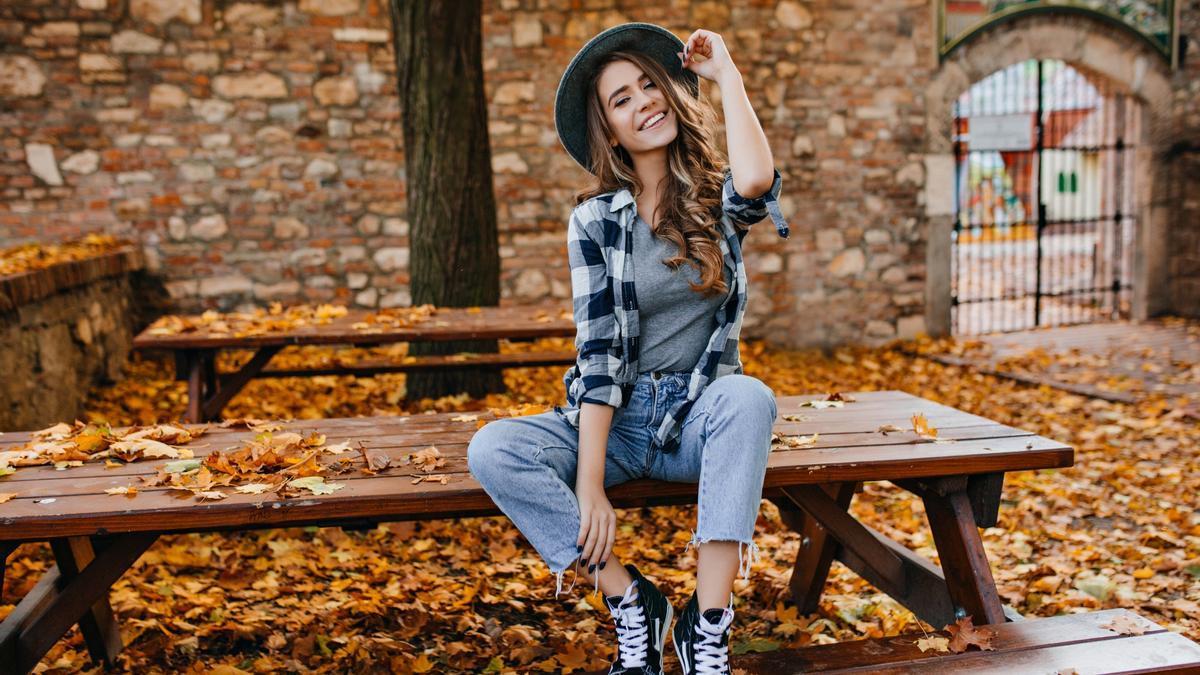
<point x="635" y="108"/>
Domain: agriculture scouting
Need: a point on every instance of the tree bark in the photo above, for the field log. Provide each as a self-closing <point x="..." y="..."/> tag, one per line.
<point x="454" y="261"/>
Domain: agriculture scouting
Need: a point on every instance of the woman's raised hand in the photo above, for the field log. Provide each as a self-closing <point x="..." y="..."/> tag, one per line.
<point x="712" y="47"/>
<point x="597" y="527"/>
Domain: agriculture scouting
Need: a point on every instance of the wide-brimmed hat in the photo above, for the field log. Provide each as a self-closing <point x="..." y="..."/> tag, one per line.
<point x="570" y="103"/>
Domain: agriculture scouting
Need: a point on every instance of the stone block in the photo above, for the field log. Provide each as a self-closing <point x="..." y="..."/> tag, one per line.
<point x="20" y="77"/>
<point x="167" y="97"/>
<point x="133" y="42"/>
<point x="85" y="162"/>
<point x="40" y="158"/>
<point x="909" y="327"/>
<point x="231" y="284"/>
<point x="209" y="227"/>
<point x="849" y="262"/>
<point x="341" y="91"/>
<point x="391" y="258"/>
<point x="161" y="11"/>
<point x="252" y="85"/>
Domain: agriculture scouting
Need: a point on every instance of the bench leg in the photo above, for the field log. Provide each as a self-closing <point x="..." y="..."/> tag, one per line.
<point x="817" y="547"/>
<point x="964" y="562"/>
<point x="97" y="624"/>
<point x="194" y="362"/>
<point x="66" y="594"/>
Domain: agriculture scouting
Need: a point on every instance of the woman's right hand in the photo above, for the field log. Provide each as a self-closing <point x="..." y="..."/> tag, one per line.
<point x="597" y="526"/>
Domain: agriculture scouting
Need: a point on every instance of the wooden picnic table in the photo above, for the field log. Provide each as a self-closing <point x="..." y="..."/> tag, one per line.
<point x="196" y="351"/>
<point x="96" y="537"/>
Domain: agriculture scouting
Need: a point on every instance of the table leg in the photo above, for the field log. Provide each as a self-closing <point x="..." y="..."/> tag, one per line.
<point x="6" y="549"/>
<point x="64" y="596"/>
<point x="964" y="562"/>
<point x="195" y="387"/>
<point x="97" y="624"/>
<point x="817" y="548"/>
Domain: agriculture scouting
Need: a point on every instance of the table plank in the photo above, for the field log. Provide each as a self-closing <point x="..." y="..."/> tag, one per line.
<point x="447" y="323"/>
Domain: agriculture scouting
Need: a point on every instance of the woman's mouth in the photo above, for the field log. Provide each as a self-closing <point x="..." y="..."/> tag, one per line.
<point x="654" y="122"/>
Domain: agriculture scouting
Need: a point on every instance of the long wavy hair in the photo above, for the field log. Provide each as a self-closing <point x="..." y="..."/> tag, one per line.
<point x="691" y="197"/>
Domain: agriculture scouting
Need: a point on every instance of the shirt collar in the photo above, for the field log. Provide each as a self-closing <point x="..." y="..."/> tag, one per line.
<point x="621" y="199"/>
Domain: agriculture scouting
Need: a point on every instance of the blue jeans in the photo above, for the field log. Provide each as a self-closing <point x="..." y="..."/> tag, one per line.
<point x="527" y="464"/>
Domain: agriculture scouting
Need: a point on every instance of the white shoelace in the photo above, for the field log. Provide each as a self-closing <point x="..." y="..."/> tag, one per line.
<point x="711" y="656"/>
<point x="633" y="640"/>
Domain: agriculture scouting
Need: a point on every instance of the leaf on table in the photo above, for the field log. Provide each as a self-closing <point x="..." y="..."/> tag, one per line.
<point x="338" y="448"/>
<point x="144" y="448"/>
<point x="127" y="490"/>
<point x="1124" y="625"/>
<point x="464" y="418"/>
<point x="821" y="405"/>
<point x="886" y="429"/>
<point x="935" y="643"/>
<point x="316" y="485"/>
<point x="182" y="466"/>
<point x="5" y="496"/>
<point x="55" y="433"/>
<point x="254" y="488"/>
<point x="838" y="396"/>
<point x="6" y="470"/>
<point x="800" y="441"/>
<point x="163" y="432"/>
<point x="920" y="425"/>
<point x="428" y="459"/>
<point x="796" y="418"/>
<point x="212" y="495"/>
<point x="432" y="478"/>
<point x="963" y="634"/>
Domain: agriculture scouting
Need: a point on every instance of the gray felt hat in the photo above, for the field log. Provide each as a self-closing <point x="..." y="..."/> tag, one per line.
<point x="570" y="103"/>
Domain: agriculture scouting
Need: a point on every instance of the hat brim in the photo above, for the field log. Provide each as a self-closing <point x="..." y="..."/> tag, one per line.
<point x="570" y="103"/>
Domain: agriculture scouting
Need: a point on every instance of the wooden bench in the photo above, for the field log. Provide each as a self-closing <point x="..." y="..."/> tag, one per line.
<point x="1073" y="643"/>
<point x="96" y="537"/>
<point x="196" y="351"/>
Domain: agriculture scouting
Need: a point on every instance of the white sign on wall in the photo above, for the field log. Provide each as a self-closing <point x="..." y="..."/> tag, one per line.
<point x="1001" y="132"/>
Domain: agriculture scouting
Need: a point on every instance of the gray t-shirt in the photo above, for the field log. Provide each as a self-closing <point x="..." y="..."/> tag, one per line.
<point x="675" y="322"/>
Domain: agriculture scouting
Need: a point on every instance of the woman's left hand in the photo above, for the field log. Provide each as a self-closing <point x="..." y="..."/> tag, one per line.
<point x="716" y="56"/>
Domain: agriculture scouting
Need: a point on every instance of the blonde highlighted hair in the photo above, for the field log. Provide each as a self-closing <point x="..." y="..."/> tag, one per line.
<point x="691" y="198"/>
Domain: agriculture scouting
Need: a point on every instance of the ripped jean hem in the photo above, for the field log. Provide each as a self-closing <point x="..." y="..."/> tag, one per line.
<point x="748" y="553"/>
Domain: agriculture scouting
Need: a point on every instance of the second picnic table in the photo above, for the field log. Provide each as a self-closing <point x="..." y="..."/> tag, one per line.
<point x="196" y="341"/>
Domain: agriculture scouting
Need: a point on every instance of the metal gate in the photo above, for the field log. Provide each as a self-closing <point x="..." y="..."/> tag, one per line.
<point x="1044" y="227"/>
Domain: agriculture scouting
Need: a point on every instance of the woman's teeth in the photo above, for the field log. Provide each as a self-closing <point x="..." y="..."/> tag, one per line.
<point x="653" y="121"/>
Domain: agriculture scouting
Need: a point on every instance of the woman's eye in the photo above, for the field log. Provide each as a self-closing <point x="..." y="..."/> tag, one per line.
<point x="649" y="84"/>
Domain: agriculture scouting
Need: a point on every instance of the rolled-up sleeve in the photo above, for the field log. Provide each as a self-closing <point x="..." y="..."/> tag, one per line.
<point x="597" y="336"/>
<point x="745" y="211"/>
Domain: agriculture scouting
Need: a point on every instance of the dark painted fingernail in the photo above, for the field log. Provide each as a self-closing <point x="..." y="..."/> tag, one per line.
<point x="579" y="549"/>
<point x="591" y="568"/>
<point x="603" y="563"/>
<point x="583" y="561"/>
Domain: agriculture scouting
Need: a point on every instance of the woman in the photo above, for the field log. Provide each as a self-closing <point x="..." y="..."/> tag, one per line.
<point x="659" y="292"/>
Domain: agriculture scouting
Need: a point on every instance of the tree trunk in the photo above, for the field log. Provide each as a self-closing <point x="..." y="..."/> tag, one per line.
<point x="454" y="261"/>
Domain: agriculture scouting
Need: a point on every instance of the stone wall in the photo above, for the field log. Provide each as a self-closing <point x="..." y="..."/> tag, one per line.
<point x="64" y="328"/>
<point x="1184" y="245"/>
<point x="255" y="147"/>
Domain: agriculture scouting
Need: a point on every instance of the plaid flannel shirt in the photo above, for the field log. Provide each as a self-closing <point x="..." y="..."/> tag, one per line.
<point x="599" y="246"/>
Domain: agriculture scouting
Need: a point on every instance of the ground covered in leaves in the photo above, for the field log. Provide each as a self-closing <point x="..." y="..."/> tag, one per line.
<point x="1121" y="529"/>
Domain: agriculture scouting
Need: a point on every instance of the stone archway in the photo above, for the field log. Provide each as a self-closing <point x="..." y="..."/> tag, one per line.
<point x="1091" y="44"/>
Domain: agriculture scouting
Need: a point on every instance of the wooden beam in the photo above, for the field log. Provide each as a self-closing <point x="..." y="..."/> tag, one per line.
<point x="850" y="533"/>
<point x="57" y="602"/>
<point x="817" y="548"/>
<point x="230" y="385"/>
<point x="99" y="628"/>
<point x="924" y="589"/>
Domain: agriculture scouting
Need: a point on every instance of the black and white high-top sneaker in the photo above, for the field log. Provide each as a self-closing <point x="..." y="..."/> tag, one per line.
<point x="702" y="639"/>
<point x="642" y="617"/>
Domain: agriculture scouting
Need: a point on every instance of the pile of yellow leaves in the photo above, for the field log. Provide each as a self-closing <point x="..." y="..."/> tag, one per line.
<point x="261" y="321"/>
<point x="1120" y="529"/>
<point x="27" y="257"/>
<point x="66" y="445"/>
<point x="395" y="317"/>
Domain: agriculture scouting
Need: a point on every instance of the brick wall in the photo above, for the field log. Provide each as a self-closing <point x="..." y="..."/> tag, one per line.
<point x="255" y="148"/>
